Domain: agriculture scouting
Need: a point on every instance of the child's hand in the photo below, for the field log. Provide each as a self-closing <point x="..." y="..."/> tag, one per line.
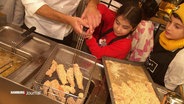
<point x="88" y="36"/>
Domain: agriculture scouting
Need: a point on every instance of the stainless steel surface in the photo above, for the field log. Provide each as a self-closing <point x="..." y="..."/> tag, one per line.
<point x="3" y="18"/>
<point x="10" y="61"/>
<point x="180" y="90"/>
<point x="7" y="65"/>
<point x="80" y="41"/>
<point x="98" y="94"/>
<point x="64" y="55"/>
<point x="172" y="98"/>
<point x="26" y="37"/>
<point x="36" y="49"/>
<point x="161" y="91"/>
<point x="36" y="46"/>
<point x="27" y="95"/>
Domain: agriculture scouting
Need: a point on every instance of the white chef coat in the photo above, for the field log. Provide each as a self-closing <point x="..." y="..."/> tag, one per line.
<point x="14" y="11"/>
<point x="53" y="29"/>
<point x="175" y="72"/>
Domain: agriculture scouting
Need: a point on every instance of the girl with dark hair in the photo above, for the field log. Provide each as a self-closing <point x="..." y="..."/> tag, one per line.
<point x="113" y="37"/>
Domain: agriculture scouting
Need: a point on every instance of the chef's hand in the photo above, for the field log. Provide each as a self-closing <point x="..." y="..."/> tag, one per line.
<point x="77" y="24"/>
<point x="93" y="17"/>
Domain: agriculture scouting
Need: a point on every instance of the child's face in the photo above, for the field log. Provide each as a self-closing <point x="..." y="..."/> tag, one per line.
<point x="121" y="26"/>
<point x="174" y="29"/>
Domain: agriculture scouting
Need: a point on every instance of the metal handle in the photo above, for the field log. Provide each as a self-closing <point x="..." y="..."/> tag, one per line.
<point x="29" y="31"/>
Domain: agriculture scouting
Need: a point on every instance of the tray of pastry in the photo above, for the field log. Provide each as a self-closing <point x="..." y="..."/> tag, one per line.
<point x="66" y="75"/>
<point x="129" y="83"/>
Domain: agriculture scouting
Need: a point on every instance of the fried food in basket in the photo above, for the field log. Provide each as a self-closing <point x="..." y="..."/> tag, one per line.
<point x="46" y="86"/>
<point x="71" y="100"/>
<point x="52" y="68"/>
<point x="50" y="88"/>
<point x="68" y="89"/>
<point x="70" y="77"/>
<point x="51" y="94"/>
<point x="61" y="74"/>
<point x="53" y="90"/>
<point x="78" y="76"/>
<point x="80" y="95"/>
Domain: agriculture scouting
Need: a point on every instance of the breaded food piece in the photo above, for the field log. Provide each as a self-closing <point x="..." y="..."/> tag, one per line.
<point x="61" y="94"/>
<point x="46" y="86"/>
<point x="80" y="95"/>
<point x="68" y="89"/>
<point x="55" y="84"/>
<point x="70" y="100"/>
<point x="78" y="76"/>
<point x="61" y="74"/>
<point x="52" y="68"/>
<point x="70" y="77"/>
<point x="79" y="101"/>
<point x="51" y="94"/>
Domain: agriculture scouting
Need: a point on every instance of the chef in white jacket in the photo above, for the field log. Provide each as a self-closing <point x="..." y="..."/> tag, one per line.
<point x="56" y="18"/>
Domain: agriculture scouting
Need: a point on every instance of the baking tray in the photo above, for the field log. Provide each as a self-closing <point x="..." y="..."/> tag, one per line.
<point x="68" y="56"/>
<point x="110" y="79"/>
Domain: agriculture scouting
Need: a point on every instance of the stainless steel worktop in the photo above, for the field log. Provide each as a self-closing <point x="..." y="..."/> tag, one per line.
<point x="39" y="50"/>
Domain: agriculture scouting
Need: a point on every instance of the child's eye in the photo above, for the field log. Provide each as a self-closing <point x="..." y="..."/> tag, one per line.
<point x="177" y="27"/>
<point x="117" y="22"/>
<point x="125" y="27"/>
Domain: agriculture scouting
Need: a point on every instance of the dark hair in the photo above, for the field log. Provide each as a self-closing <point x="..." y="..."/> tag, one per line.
<point x="131" y="12"/>
<point x="150" y="8"/>
<point x="177" y="16"/>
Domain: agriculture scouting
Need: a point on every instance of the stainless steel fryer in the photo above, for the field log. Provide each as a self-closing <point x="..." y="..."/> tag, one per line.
<point x="32" y="46"/>
<point x="33" y="49"/>
<point x="67" y="56"/>
<point x="10" y="62"/>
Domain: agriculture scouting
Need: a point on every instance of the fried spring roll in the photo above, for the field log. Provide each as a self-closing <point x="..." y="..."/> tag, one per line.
<point x="51" y="94"/>
<point x="78" y="76"/>
<point x="70" y="77"/>
<point x="61" y="74"/>
<point x="70" y="100"/>
<point x="46" y="86"/>
<point x="52" y="68"/>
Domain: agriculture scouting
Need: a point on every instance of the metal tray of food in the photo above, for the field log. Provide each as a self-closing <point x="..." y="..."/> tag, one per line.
<point x="57" y="86"/>
<point x="26" y="44"/>
<point x="129" y="82"/>
<point x="11" y="62"/>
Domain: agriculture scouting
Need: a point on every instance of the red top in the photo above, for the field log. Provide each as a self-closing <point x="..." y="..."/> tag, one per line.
<point x="118" y="49"/>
